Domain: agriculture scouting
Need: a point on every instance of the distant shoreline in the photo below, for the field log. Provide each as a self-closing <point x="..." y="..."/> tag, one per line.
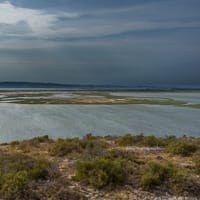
<point x="42" y="86"/>
<point x="93" y="90"/>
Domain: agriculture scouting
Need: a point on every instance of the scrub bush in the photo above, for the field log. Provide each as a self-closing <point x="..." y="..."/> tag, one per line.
<point x="64" y="147"/>
<point x="18" y="170"/>
<point x="100" y="172"/>
<point x="182" y="148"/>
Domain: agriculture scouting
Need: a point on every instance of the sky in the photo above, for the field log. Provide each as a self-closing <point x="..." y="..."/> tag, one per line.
<point x="129" y="42"/>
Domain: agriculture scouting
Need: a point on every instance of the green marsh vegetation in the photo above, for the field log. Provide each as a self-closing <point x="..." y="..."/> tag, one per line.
<point x="91" y="97"/>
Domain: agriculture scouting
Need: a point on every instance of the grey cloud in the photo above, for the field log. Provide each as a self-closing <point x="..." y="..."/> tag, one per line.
<point x="122" y="43"/>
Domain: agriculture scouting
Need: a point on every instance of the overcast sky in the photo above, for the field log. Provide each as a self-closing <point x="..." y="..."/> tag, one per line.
<point x="100" y="41"/>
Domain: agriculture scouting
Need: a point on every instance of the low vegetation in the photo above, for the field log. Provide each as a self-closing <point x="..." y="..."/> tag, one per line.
<point x="196" y="158"/>
<point x="44" y="168"/>
<point x="162" y="175"/>
<point x="89" y="146"/>
<point x="182" y="147"/>
<point x="141" y="140"/>
<point x="100" y="172"/>
<point x="63" y="147"/>
<point x="18" y="170"/>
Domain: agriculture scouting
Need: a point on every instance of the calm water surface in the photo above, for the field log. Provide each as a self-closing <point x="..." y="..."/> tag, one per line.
<point x="19" y="122"/>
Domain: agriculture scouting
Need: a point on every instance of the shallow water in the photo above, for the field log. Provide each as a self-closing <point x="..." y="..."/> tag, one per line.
<point x="19" y="122"/>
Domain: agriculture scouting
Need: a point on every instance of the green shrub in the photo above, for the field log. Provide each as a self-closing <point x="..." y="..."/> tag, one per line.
<point x="42" y="139"/>
<point x="140" y="140"/>
<point x="126" y="140"/>
<point x="181" y="147"/>
<point x="151" y="141"/>
<point x="64" y="147"/>
<point x="196" y="159"/>
<point x="90" y="136"/>
<point x="156" y="174"/>
<point x="90" y="141"/>
<point x="170" y="178"/>
<point x="90" y="146"/>
<point x="93" y="148"/>
<point x="130" y="163"/>
<point x="36" y="141"/>
<point x="169" y="139"/>
<point x="27" y="145"/>
<point x="13" y="185"/>
<point x="42" y="170"/>
<point x="35" y="168"/>
<point x="121" y="155"/>
<point x="100" y="172"/>
<point x="18" y="170"/>
<point x="197" y="165"/>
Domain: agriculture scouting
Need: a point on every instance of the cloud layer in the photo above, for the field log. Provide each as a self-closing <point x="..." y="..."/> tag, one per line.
<point x="133" y="40"/>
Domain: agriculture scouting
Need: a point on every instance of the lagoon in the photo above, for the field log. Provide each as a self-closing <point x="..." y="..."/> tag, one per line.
<point x="19" y="122"/>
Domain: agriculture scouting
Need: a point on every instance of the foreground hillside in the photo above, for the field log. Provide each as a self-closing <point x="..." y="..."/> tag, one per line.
<point x="124" y="167"/>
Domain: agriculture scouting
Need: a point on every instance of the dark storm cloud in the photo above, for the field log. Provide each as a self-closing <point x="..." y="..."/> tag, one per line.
<point x="92" y="41"/>
<point x="78" y="4"/>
